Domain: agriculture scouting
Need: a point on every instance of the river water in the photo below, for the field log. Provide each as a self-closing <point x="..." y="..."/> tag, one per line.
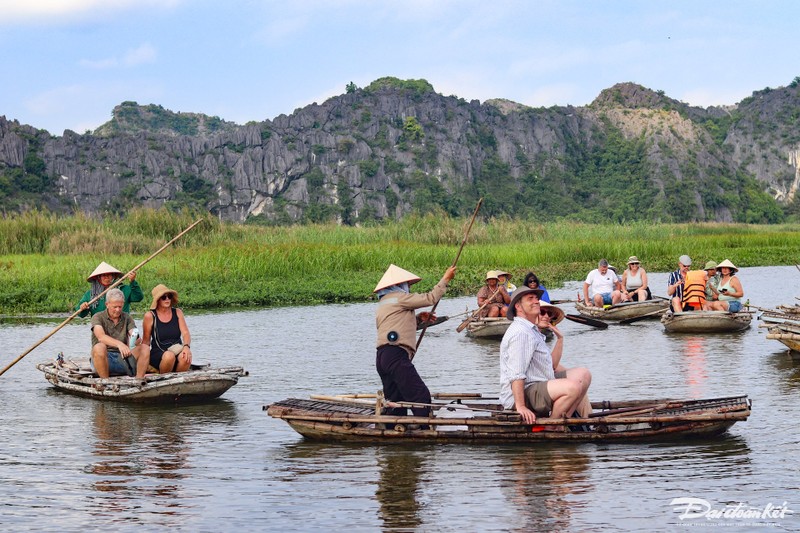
<point x="72" y="464"/>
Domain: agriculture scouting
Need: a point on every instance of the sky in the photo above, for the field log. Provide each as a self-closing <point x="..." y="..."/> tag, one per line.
<point x="66" y="63"/>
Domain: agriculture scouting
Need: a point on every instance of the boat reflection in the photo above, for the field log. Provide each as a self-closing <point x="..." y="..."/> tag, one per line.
<point x="539" y="482"/>
<point x="398" y="487"/>
<point x="695" y="370"/>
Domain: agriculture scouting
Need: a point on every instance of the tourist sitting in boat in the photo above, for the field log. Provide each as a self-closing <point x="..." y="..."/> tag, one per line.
<point x="693" y="295"/>
<point x="504" y="279"/>
<point x="712" y="287"/>
<point x="532" y="380"/>
<point x="164" y="329"/>
<point x="397" y="342"/>
<point x="112" y="332"/>
<point x="634" y="282"/>
<point x="675" y="283"/>
<point x="602" y="286"/>
<point x="492" y="298"/>
<point x="730" y="289"/>
<point x="103" y="276"/>
<point x="532" y="282"/>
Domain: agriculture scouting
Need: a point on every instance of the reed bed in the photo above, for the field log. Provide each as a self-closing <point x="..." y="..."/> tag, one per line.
<point x="44" y="258"/>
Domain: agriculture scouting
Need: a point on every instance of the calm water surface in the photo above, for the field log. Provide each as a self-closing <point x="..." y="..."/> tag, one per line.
<point x="70" y="464"/>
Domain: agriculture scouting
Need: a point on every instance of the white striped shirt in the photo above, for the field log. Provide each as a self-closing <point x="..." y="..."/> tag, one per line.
<point x="523" y="355"/>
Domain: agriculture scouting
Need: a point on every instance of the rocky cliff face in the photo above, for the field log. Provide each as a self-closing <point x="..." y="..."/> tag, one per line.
<point x="383" y="150"/>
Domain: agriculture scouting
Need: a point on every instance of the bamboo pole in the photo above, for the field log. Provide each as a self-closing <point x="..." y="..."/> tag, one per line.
<point x="93" y="300"/>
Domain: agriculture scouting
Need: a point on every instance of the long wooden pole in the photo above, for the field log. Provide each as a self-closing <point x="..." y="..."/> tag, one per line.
<point x="93" y="300"/>
<point x="455" y="262"/>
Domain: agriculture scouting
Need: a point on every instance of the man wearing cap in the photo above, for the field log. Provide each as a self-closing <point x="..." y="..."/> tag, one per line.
<point x="532" y="380"/>
<point x="675" y="283"/>
<point x="103" y="276"/>
<point x="712" y="292"/>
<point x="397" y="339"/>
<point x="604" y="284"/>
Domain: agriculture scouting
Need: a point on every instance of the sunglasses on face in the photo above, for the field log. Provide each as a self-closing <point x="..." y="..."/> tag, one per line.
<point x="166" y="297"/>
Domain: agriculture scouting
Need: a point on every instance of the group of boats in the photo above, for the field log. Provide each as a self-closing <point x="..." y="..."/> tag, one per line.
<point x="466" y="417"/>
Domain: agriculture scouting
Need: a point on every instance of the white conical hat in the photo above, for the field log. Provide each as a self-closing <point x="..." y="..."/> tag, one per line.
<point x="727" y="263"/>
<point x="395" y="275"/>
<point x="103" y="268"/>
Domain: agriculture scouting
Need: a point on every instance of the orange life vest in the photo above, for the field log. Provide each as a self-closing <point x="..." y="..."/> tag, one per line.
<point x="694" y="289"/>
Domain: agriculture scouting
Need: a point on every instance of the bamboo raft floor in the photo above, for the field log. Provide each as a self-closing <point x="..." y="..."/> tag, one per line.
<point x="472" y="419"/>
<point x="199" y="384"/>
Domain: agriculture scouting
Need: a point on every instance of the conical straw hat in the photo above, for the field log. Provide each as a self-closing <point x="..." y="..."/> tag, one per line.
<point x="395" y="275"/>
<point x="727" y="263"/>
<point x="103" y="268"/>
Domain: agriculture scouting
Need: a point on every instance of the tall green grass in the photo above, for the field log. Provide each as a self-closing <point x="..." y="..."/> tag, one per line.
<point x="44" y="258"/>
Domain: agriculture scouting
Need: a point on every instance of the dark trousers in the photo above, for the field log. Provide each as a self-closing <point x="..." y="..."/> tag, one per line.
<point x="401" y="382"/>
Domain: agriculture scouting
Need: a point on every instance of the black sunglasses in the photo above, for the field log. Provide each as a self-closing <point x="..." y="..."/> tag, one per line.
<point x="166" y="297"/>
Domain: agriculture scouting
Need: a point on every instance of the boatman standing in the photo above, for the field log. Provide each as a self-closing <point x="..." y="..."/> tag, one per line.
<point x="397" y="340"/>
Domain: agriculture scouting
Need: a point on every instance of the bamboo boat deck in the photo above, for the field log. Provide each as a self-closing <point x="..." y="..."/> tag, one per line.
<point x="475" y="419"/>
<point x="706" y="321"/>
<point x="624" y="310"/>
<point x="199" y="384"/>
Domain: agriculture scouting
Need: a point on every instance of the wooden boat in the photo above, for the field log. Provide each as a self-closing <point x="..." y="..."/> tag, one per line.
<point x="706" y="321"/>
<point x="495" y="328"/>
<point x="198" y="384"/>
<point x="788" y="334"/>
<point x="624" y="310"/>
<point x="472" y="418"/>
<point x="488" y="328"/>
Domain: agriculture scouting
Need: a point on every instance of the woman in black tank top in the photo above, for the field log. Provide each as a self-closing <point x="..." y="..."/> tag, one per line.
<point x="164" y="327"/>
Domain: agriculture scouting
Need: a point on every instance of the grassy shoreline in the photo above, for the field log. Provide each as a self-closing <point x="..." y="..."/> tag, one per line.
<point x="44" y="258"/>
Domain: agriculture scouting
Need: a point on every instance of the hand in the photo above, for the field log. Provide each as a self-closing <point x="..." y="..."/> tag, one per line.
<point x="527" y="415"/>
<point x="186" y="354"/>
<point x="426" y="317"/>
<point x="84" y="306"/>
<point x="132" y="275"/>
<point x="450" y="273"/>
<point x="124" y="350"/>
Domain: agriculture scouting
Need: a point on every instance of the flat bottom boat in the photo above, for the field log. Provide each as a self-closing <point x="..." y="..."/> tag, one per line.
<point x="624" y="310"/>
<point x="469" y="418"/>
<point x="788" y="334"/>
<point x="706" y="321"/>
<point x="198" y="384"/>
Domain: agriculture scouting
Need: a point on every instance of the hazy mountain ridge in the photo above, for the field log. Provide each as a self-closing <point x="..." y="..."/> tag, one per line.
<point x="396" y="146"/>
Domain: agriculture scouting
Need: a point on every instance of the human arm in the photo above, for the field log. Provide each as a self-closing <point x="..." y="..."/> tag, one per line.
<point x="644" y="280"/>
<point x="111" y="342"/>
<point x="558" y="348"/>
<point x="586" y="292"/>
<point x="83" y="305"/>
<point x="186" y="352"/>
<point x="135" y="294"/>
<point x="518" y="390"/>
<point x="147" y="327"/>
<point x="673" y="284"/>
<point x="736" y="285"/>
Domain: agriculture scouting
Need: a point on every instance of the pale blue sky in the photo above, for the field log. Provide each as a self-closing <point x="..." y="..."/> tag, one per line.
<point x="67" y="63"/>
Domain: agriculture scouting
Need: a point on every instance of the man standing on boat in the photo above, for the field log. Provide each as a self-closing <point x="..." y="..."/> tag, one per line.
<point x="111" y="333"/>
<point x="676" y="281"/>
<point x="397" y="339"/>
<point x="532" y="380"/>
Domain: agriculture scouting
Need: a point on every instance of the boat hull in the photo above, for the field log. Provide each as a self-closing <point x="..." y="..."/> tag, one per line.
<point x="787" y="334"/>
<point x="624" y="311"/>
<point x="706" y="321"/>
<point x="638" y="421"/>
<point x="176" y="387"/>
<point x="488" y="328"/>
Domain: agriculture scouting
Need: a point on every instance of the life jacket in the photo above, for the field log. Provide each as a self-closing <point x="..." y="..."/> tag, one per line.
<point x="694" y="289"/>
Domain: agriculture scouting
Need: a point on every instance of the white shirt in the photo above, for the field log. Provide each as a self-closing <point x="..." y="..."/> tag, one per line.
<point x="601" y="283"/>
<point x="523" y="355"/>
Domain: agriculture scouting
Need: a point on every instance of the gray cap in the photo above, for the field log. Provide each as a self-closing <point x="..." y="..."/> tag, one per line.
<point x="603" y="263"/>
<point x="685" y="260"/>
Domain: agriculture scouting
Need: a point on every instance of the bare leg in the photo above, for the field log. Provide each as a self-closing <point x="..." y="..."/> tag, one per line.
<point x="100" y="359"/>
<point x="142" y="355"/>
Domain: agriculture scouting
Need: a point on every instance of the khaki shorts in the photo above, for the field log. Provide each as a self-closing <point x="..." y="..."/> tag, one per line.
<point x="538" y="399"/>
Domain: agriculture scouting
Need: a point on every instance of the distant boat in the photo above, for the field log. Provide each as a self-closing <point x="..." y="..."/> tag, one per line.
<point x="495" y="328"/>
<point x="198" y="384"/>
<point x="471" y="419"/>
<point x="624" y="310"/>
<point x="706" y="321"/>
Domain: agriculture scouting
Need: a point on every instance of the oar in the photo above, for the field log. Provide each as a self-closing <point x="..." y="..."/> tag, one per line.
<point x="474" y="315"/>
<point x="642" y="317"/>
<point x="455" y="262"/>
<point x="561" y="302"/>
<point x="93" y="300"/>
<point x="599" y="324"/>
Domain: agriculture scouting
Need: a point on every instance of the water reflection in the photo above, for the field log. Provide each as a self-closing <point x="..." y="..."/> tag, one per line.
<point x="787" y="366"/>
<point x="146" y="453"/>
<point x="398" y="487"/>
<point x="540" y="480"/>
<point x="695" y="369"/>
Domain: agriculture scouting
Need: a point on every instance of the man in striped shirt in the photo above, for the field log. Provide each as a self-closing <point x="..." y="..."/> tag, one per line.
<point x="532" y="381"/>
